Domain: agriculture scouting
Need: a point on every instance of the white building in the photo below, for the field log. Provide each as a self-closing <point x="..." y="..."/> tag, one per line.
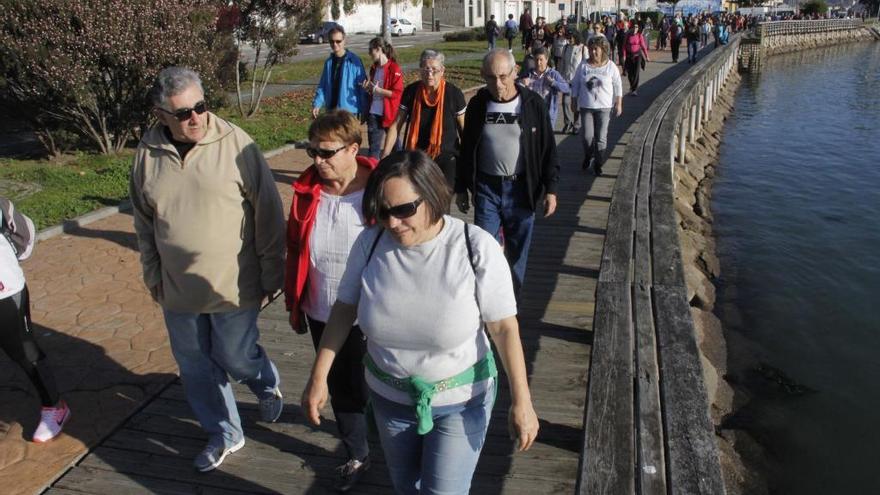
<point x="367" y="17"/>
<point x="474" y="13"/>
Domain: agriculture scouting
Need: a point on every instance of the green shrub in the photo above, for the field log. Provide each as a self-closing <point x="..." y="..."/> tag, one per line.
<point x="475" y="34"/>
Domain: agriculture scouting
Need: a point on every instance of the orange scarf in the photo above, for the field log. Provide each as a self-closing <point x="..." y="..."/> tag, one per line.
<point x="436" y="126"/>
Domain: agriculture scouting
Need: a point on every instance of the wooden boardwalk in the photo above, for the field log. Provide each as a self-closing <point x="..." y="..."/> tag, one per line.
<point x="152" y="452"/>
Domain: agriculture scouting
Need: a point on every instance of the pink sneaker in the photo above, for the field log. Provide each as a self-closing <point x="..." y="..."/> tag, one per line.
<point x="52" y="419"/>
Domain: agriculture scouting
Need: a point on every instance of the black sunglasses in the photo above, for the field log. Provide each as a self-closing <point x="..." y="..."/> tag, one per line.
<point x="400" y="212"/>
<point x="325" y="154"/>
<point x="184" y="113"/>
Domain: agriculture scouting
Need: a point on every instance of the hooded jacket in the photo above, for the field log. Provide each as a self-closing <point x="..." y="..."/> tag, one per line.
<point x="210" y="228"/>
<point x="303" y="210"/>
<point x="537" y="145"/>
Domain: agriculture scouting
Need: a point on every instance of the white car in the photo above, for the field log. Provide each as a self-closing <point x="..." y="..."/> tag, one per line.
<point x="401" y="26"/>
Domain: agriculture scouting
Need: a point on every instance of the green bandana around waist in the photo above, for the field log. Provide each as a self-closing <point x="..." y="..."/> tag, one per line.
<point x="422" y="392"/>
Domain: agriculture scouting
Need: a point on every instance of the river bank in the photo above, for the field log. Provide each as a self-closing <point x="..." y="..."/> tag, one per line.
<point x="701" y="268"/>
<point x="745" y="463"/>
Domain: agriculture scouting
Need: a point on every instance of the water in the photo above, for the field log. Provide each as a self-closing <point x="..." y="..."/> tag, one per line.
<point x="797" y="216"/>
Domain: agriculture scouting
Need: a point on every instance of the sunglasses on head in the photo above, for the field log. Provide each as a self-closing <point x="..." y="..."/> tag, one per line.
<point x="325" y="154"/>
<point x="184" y="113"/>
<point x="400" y="212"/>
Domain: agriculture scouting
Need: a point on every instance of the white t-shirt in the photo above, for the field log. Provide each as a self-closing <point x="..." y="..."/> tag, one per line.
<point x="11" y="275"/>
<point x="338" y="222"/>
<point x="377" y="105"/>
<point x="596" y="87"/>
<point x="417" y="308"/>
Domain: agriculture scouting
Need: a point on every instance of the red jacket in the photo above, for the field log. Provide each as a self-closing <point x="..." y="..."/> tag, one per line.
<point x="394" y="83"/>
<point x="306" y="195"/>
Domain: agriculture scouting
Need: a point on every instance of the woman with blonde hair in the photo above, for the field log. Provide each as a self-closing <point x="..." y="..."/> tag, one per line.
<point x="595" y="90"/>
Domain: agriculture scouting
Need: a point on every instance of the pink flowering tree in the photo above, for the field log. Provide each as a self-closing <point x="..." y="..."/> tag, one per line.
<point x="271" y="28"/>
<point x="85" y="66"/>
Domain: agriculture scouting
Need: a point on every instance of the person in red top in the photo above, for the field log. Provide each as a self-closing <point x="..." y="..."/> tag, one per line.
<point x="384" y="87"/>
<point x="325" y="219"/>
<point x="635" y="52"/>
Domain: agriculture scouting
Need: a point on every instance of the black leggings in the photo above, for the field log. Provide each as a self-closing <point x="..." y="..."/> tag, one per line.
<point x="633" y="67"/>
<point x="17" y="341"/>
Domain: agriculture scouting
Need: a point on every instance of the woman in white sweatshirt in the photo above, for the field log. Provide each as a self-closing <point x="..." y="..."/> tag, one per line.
<point x="595" y="90"/>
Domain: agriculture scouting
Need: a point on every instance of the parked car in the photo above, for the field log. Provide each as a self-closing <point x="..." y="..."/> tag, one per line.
<point x="400" y="26"/>
<point x="318" y="34"/>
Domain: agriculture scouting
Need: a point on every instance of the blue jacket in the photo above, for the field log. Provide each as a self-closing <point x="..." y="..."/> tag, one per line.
<point x="352" y="96"/>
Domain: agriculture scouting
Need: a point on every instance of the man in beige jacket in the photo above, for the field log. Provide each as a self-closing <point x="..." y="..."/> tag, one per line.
<point x="210" y="229"/>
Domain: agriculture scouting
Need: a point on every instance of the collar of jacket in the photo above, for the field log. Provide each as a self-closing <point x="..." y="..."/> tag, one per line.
<point x="217" y="130"/>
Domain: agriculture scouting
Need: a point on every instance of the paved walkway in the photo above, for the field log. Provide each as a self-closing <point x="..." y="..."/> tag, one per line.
<point x="107" y="344"/>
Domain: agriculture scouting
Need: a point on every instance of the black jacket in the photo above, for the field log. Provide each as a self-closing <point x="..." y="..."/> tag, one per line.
<point x="537" y="145"/>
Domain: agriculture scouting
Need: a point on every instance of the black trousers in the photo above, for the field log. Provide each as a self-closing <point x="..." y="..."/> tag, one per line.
<point x="675" y="45"/>
<point x="633" y="67"/>
<point x="348" y="389"/>
<point x="447" y="163"/>
<point x="17" y="341"/>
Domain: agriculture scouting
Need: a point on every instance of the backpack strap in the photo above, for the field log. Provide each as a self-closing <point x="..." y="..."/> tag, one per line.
<point x="470" y="249"/>
<point x="373" y="247"/>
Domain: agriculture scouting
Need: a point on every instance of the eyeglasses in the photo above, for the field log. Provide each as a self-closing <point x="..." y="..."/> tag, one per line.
<point x="336" y="42"/>
<point x="325" y="154"/>
<point x="184" y="113"/>
<point x="430" y="70"/>
<point x="400" y="212"/>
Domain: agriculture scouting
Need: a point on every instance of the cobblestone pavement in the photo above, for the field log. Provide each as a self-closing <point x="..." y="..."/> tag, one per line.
<point x="105" y="339"/>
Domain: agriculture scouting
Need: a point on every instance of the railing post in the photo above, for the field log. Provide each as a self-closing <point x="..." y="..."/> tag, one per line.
<point x="692" y="124"/>
<point x="700" y="113"/>
<point x="682" y="140"/>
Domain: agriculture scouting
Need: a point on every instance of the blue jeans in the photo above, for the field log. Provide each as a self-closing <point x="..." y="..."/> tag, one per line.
<point x="693" y="48"/>
<point x="501" y="208"/>
<point x="441" y="461"/>
<point x="375" y="134"/>
<point x="207" y="347"/>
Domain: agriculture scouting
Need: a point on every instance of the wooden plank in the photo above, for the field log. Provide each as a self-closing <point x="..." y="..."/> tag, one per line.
<point x="651" y="467"/>
<point x="692" y="453"/>
<point x="608" y="458"/>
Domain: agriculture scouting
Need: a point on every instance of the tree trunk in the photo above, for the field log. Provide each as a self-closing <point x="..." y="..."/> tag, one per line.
<point x="386" y="34"/>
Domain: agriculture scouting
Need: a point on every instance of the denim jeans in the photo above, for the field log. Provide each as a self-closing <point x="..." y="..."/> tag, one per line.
<point x="444" y="459"/>
<point x="693" y="48"/>
<point x="594" y="125"/>
<point x="501" y="208"/>
<point x="375" y="134"/>
<point x="207" y="347"/>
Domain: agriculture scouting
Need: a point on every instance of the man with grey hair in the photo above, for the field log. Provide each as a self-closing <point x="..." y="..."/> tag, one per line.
<point x="210" y="229"/>
<point x="508" y="160"/>
<point x="434" y="109"/>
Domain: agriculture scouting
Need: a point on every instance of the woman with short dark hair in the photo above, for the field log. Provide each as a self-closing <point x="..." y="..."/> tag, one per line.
<point x="423" y="285"/>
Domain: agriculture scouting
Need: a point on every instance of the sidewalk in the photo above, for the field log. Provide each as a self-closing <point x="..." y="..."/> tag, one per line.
<point x="104" y="337"/>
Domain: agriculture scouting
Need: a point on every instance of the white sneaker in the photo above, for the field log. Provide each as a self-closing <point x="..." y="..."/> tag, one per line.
<point x="52" y="420"/>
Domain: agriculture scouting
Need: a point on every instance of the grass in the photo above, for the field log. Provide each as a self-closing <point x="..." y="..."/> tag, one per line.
<point x="51" y="192"/>
<point x="311" y="69"/>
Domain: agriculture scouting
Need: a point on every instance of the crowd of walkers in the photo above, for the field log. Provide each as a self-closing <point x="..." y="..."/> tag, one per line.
<point x="400" y="299"/>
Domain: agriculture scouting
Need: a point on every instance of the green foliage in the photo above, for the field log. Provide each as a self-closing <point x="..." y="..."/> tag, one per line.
<point x="85" y="182"/>
<point x="70" y="65"/>
<point x="282" y="119"/>
<point x="814" y="7"/>
<point x="271" y="28"/>
<point x="475" y="34"/>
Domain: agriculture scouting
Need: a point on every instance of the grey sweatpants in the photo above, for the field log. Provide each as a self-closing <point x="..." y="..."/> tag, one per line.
<point x="594" y="129"/>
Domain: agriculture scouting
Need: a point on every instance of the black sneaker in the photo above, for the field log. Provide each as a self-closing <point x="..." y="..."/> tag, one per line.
<point x="350" y="473"/>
